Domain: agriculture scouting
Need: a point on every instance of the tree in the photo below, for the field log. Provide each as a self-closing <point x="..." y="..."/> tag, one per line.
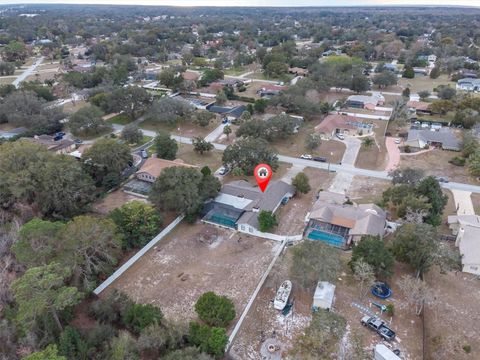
<point x="6" y="68"/>
<point x="368" y="142"/>
<point x="266" y="220"/>
<point x="312" y="141"/>
<point x="441" y="106"/>
<point x="446" y="92"/>
<point x="203" y="118"/>
<point x="417" y="245"/>
<point x="131" y="100"/>
<point x="212" y="340"/>
<point x="372" y="250"/>
<point x="416" y="291"/>
<point x="132" y="134"/>
<point x="408" y="72"/>
<point x="260" y="105"/>
<point x="407" y="175"/>
<point x="247" y="153"/>
<point x="221" y="98"/>
<point x="123" y="347"/>
<point x="209" y="76"/>
<point x="360" y="83"/>
<point x="41" y="291"/>
<point x="227" y="130"/>
<point x="385" y="79"/>
<point x="188" y="353"/>
<point x="71" y="343"/>
<point x="275" y="69"/>
<point x="183" y="189"/>
<point x="15" y="51"/>
<point x="305" y="269"/>
<point x="169" y="111"/>
<point x="89" y="246"/>
<point x="364" y="273"/>
<point x="321" y="338"/>
<point x="215" y="310"/>
<point x="24" y="108"/>
<point x="406" y="93"/>
<point x="200" y="145"/>
<point x="435" y="73"/>
<point x="106" y="156"/>
<point x="169" y="78"/>
<point x="430" y="188"/>
<point x="37" y="242"/>
<point x="165" y="146"/>
<point x="138" y="316"/>
<point x="301" y="183"/>
<point x="49" y="353"/>
<point x="156" y="339"/>
<point x="474" y="163"/>
<point x="138" y="222"/>
<point x="466" y="118"/>
<point x="424" y="94"/>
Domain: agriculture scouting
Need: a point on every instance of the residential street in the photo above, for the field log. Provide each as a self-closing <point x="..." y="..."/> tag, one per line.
<point x="27" y="72"/>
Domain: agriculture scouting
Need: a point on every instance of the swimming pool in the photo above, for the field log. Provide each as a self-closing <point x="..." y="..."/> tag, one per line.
<point x="328" y="238"/>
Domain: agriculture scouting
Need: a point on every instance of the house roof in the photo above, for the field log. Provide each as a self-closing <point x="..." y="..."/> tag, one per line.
<point x="335" y="121"/>
<point x="250" y="197"/>
<point x="469" y="81"/>
<point x="469" y="246"/>
<point x="365" y="219"/>
<point x="464" y="219"/>
<point x="444" y="136"/>
<point x="50" y="144"/>
<point x="418" y="105"/>
<point x="235" y="112"/>
<point x="154" y="165"/>
<point x="373" y="99"/>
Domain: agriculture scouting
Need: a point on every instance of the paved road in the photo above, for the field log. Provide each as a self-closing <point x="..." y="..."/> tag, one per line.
<point x="27" y="72"/>
<point x="350" y="169"/>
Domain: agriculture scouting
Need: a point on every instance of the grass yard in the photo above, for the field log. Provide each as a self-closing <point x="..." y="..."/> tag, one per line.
<point x="236" y="71"/>
<point x="187" y="129"/>
<point x="212" y="159"/>
<point x="422" y="83"/>
<point x="6" y="80"/>
<point x="144" y="140"/>
<point x="375" y="156"/>
<point x="120" y="119"/>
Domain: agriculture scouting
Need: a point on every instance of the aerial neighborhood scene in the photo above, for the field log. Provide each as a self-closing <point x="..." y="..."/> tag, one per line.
<point x="249" y="181"/>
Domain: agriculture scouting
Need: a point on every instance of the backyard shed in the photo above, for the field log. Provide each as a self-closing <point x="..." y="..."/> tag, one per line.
<point x="324" y="295"/>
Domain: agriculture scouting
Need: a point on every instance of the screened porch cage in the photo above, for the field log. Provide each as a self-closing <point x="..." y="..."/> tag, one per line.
<point x="221" y="214"/>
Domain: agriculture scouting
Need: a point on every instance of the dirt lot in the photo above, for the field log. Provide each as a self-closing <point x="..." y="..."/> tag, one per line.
<point x="376" y="156"/>
<point x="452" y="321"/>
<point x="421" y="83"/>
<point x="184" y="265"/>
<point x="264" y="321"/>
<point x="186" y="129"/>
<point x="114" y="200"/>
<point x="435" y="162"/>
<point x="366" y="189"/>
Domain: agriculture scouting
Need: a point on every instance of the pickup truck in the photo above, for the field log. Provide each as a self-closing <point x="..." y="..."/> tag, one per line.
<point x="378" y="325"/>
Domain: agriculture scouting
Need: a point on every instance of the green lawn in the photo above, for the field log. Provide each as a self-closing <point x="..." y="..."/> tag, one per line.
<point x="144" y="140"/>
<point x="235" y="71"/>
<point x="120" y="119"/>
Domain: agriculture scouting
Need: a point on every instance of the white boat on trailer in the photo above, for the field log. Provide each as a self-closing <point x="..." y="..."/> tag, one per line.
<point x="283" y="293"/>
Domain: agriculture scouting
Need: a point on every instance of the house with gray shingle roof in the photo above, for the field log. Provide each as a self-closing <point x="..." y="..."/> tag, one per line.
<point x="444" y="138"/>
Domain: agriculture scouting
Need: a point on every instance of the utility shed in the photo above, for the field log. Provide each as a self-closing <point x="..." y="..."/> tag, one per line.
<point x="323" y="297"/>
<point x="384" y="353"/>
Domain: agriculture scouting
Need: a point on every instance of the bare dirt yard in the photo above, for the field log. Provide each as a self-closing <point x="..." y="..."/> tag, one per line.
<point x="114" y="200"/>
<point x="421" y="83"/>
<point x="451" y="322"/>
<point x="366" y="189"/>
<point x="192" y="260"/>
<point x="263" y="321"/>
<point x="436" y="163"/>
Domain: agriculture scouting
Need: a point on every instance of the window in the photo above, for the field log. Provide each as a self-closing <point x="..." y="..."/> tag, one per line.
<point x="242" y="227"/>
<point x="250" y="229"/>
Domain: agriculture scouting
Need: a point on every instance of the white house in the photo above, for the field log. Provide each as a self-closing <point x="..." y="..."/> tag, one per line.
<point x="468" y="84"/>
<point x="468" y="241"/>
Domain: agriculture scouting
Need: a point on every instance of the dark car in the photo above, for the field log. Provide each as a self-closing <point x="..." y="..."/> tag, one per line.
<point x="319" y="158"/>
<point x="58" y="137"/>
<point x="60" y="133"/>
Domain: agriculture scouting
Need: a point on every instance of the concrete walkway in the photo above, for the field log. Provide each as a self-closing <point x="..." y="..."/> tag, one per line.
<point x="463" y="202"/>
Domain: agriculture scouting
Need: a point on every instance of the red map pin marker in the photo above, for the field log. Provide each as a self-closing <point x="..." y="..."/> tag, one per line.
<point x="263" y="173"/>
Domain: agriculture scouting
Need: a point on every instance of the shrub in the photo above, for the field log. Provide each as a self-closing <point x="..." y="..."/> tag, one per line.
<point x="210" y="340"/>
<point x="457" y="161"/>
<point x="138" y="316"/>
<point x="467" y="348"/>
<point x="266" y="220"/>
<point x="214" y="309"/>
<point x="390" y="310"/>
<point x="111" y="309"/>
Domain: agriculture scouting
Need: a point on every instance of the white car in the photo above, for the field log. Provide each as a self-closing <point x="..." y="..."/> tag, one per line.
<point x="306" y="157"/>
<point x="397" y="141"/>
<point x="340" y="136"/>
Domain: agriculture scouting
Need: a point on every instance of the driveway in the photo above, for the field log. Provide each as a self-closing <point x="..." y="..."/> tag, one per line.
<point x="27" y="72"/>
<point x="342" y="181"/>
<point x="351" y="152"/>
<point x="393" y="153"/>
<point x="463" y="202"/>
<point x="215" y="134"/>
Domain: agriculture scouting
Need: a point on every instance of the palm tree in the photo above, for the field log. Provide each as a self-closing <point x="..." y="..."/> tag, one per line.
<point x="368" y="142"/>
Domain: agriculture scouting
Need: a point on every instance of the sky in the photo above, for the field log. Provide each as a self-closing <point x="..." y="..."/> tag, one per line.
<point x="257" y="2"/>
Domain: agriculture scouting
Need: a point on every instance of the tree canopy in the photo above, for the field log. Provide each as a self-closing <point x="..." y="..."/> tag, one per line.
<point x="214" y="309"/>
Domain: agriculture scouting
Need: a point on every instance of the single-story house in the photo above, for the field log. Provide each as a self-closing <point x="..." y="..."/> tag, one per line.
<point x="332" y="52"/>
<point x="62" y="146"/>
<point x="444" y="138"/>
<point x="468" y="84"/>
<point x="365" y="101"/>
<point x="153" y="166"/>
<point x="340" y="224"/>
<point x="231" y="113"/>
<point x="342" y="124"/>
<point x="238" y="204"/>
<point x="468" y="241"/>
<point x="324" y="296"/>
<point x="200" y="103"/>
<point x="420" y="107"/>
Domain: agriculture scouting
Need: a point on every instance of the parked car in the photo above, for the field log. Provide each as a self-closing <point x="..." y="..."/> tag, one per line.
<point x="306" y="157"/>
<point x="223" y="170"/>
<point x="378" y="325"/>
<point x="225" y="121"/>
<point x="397" y="141"/>
<point x="78" y="141"/>
<point x="144" y="154"/>
<point x="60" y="133"/>
<point x="319" y="158"/>
<point x="441" y="179"/>
<point x="58" y="137"/>
<point x="340" y="136"/>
